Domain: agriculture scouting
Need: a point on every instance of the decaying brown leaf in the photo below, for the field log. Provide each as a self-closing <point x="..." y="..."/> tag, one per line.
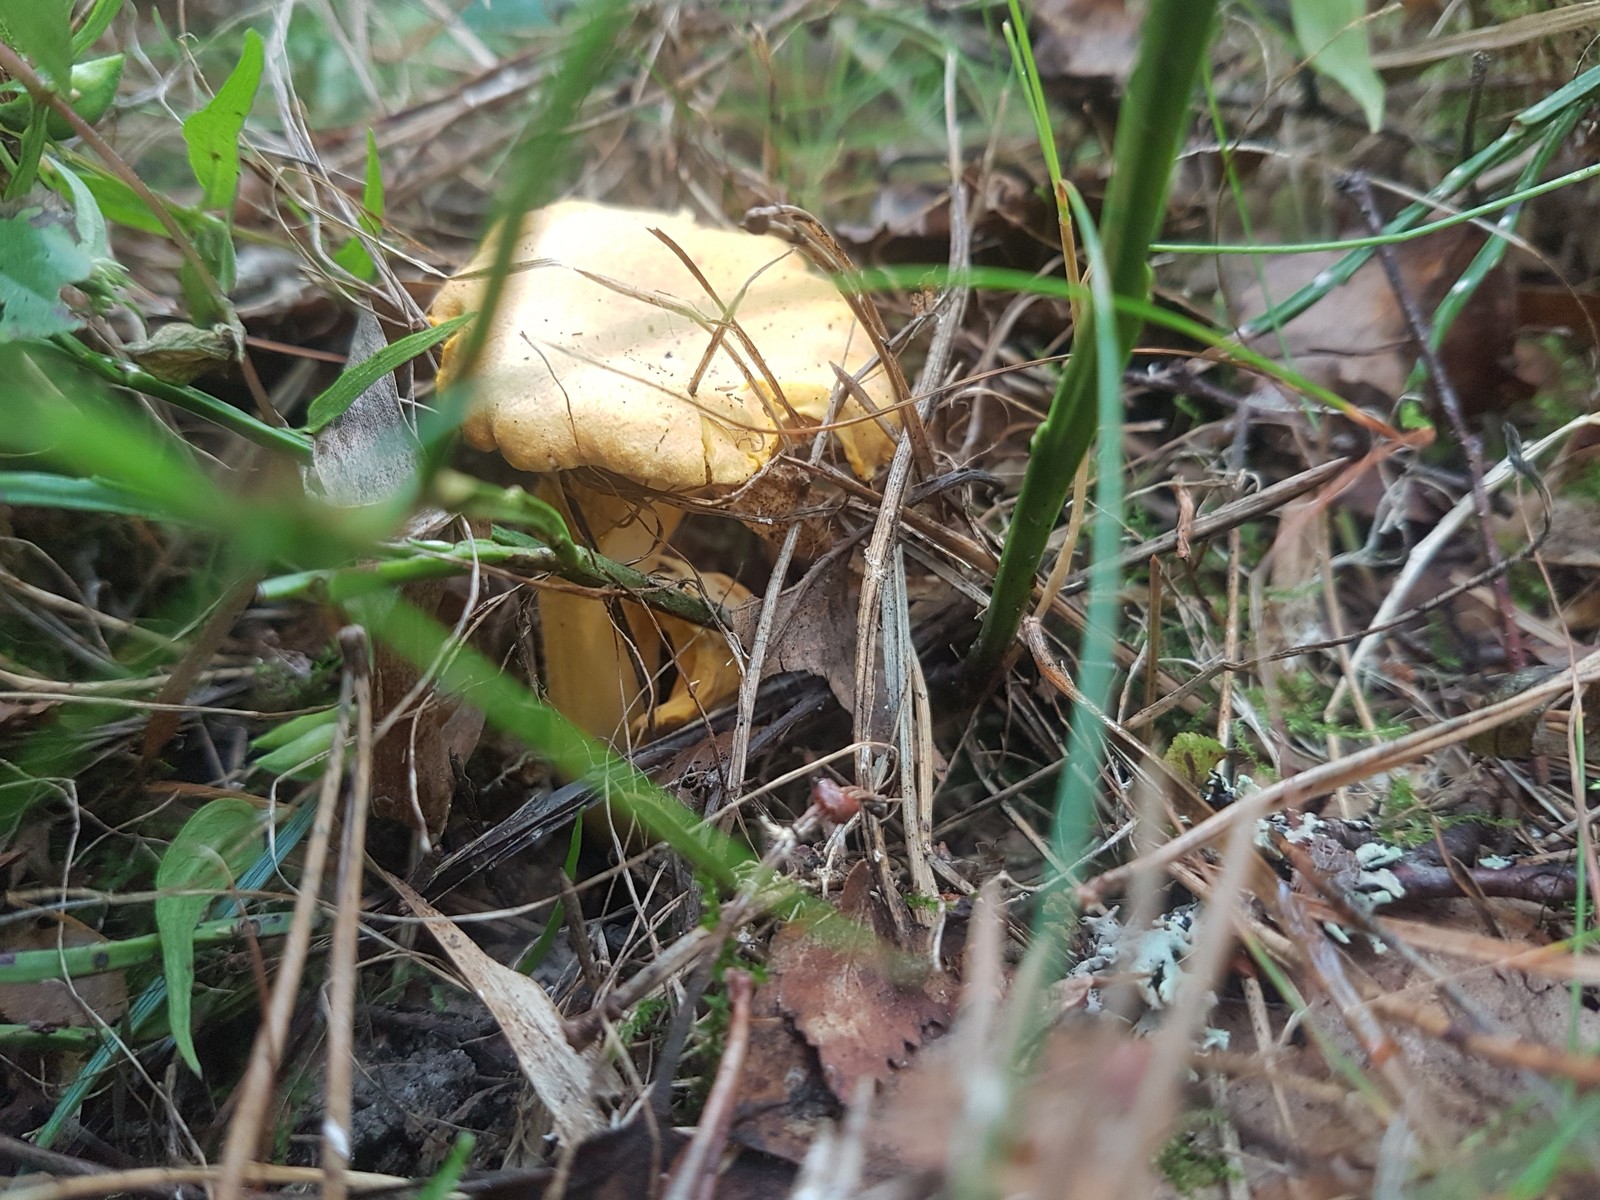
<point x="857" y="1006"/>
<point x="1356" y="341"/>
<point x="564" y="1080"/>
<point x="54" y="1002"/>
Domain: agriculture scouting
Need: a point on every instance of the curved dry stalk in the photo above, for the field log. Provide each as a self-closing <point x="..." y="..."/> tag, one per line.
<point x="338" y="1080"/>
<point x="255" y="1090"/>
<point x="1351" y="768"/>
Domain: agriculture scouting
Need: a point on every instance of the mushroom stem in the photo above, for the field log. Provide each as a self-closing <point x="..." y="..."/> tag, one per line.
<point x="592" y="674"/>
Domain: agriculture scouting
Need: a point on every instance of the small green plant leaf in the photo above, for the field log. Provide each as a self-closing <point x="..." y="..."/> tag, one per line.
<point x="297" y="747"/>
<point x="41" y="30"/>
<point x="93" y="88"/>
<point x="120" y="204"/>
<point x="213" y="846"/>
<point x="1333" y="36"/>
<point x="344" y="390"/>
<point x="353" y="255"/>
<point x="39" y="260"/>
<point x="97" y="22"/>
<point x="445" y="1178"/>
<point x="212" y="134"/>
<point x="44" y="490"/>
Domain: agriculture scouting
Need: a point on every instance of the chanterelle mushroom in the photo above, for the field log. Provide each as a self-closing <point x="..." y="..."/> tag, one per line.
<point x="607" y="352"/>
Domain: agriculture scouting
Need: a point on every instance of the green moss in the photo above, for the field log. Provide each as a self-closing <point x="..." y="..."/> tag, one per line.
<point x="1190" y="1165"/>
<point x="1405" y="820"/>
<point x="1194" y="756"/>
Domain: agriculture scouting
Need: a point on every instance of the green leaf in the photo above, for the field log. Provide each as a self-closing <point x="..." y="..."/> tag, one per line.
<point x="210" y="850"/>
<point x="353" y="255"/>
<point x="39" y="260"/>
<point x="1333" y="36"/>
<point x="450" y="1171"/>
<point x="41" y="489"/>
<point x="97" y="22"/>
<point x="87" y="219"/>
<point x="344" y="390"/>
<point x="296" y="749"/>
<point x="212" y="134"/>
<point x="285" y="732"/>
<point x="42" y="31"/>
<point x="93" y="88"/>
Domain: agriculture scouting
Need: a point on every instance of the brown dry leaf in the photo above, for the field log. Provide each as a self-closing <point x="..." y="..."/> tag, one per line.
<point x="1357" y="338"/>
<point x="814" y="631"/>
<point x="1067" y="1131"/>
<point x="828" y="1017"/>
<point x="563" y="1079"/>
<point x="845" y="1001"/>
<point x="53" y="1002"/>
<point x="1085" y="39"/>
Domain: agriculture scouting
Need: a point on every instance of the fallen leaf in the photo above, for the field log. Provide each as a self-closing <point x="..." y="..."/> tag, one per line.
<point x="53" y="1002"/>
<point x="1085" y="39"/>
<point x="845" y="1000"/>
<point x="563" y="1079"/>
<point x="1356" y="338"/>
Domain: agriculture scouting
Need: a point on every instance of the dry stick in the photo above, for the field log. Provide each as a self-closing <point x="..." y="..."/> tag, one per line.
<point x="1420" y="558"/>
<point x="876" y="559"/>
<point x="879" y="612"/>
<point x="750" y="681"/>
<point x="1228" y="516"/>
<point x="1069" y="544"/>
<point x="1357" y="185"/>
<point x="695" y="1177"/>
<point x="342" y="959"/>
<point x="1349" y="769"/>
<point x="164" y="1180"/>
<point x="255" y="1091"/>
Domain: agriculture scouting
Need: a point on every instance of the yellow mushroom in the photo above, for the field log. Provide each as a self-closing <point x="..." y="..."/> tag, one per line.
<point x="608" y="352"/>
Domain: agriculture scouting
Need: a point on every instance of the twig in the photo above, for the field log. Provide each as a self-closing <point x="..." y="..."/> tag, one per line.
<point x="1363" y="764"/>
<point x="1357" y="186"/>
<point x="165" y="1179"/>
<point x="1418" y="561"/>
<point x="347" y="922"/>
<point x="695" y="1177"/>
<point x="255" y="1091"/>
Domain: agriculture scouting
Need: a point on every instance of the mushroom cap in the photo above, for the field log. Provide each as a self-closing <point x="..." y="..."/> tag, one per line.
<point x="601" y="329"/>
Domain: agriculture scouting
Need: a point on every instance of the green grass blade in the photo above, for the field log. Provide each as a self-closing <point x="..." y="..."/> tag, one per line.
<point x="213" y="845"/>
<point x="1173" y="43"/>
<point x="344" y="390"/>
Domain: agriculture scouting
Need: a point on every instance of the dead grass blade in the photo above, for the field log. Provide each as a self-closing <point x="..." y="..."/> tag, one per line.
<point x="1351" y="768"/>
<point x="561" y="1077"/>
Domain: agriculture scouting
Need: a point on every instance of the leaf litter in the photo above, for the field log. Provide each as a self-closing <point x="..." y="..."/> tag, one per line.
<point x="1399" y="969"/>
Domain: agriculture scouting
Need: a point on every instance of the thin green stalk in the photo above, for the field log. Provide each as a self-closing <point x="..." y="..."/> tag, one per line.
<point x="1526" y="126"/>
<point x="296" y="445"/>
<point x="35" y="966"/>
<point x="1491" y="253"/>
<point x="1465" y="217"/>
<point x="1173" y="43"/>
<point x="336" y="585"/>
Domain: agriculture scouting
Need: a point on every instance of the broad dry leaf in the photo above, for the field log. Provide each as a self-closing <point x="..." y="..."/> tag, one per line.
<point x="563" y="1079"/>
<point x="1357" y="338"/>
<point x="55" y="1002"/>
<point x="862" y="1023"/>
